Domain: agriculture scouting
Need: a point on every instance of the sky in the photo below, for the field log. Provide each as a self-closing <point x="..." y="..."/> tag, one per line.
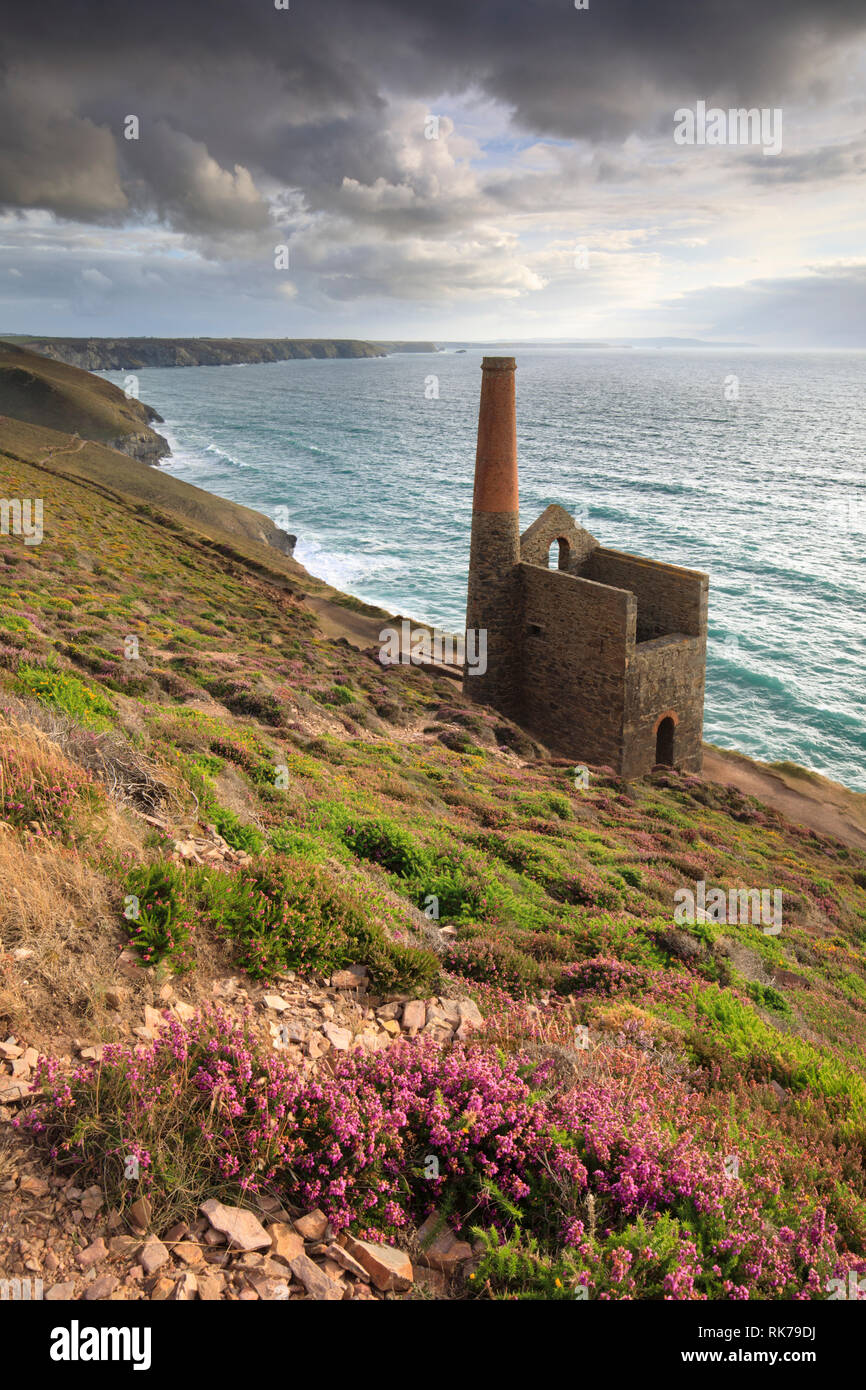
<point x="434" y="169"/>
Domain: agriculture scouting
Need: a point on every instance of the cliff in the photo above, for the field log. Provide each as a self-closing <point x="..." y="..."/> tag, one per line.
<point x="130" y="354"/>
<point x="56" y="396"/>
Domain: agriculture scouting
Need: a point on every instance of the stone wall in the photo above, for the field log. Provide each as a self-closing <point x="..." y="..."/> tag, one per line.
<point x="665" y="677"/>
<point x="669" y="599"/>
<point x="555" y="524"/>
<point x="573" y="662"/>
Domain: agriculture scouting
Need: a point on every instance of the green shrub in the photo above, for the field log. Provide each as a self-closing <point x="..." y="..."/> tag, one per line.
<point x="61" y="691"/>
<point x="160" y="914"/>
<point x="234" y="832"/>
<point x="384" y="842"/>
<point x="289" y="914"/>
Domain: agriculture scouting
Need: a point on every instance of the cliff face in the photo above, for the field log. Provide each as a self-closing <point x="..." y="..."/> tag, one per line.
<point x="128" y="354"/>
<point x="59" y="397"/>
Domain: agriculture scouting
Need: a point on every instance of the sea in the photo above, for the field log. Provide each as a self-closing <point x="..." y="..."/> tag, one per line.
<point x="748" y="465"/>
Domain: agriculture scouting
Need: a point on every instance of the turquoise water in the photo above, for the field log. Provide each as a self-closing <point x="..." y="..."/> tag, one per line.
<point x="648" y="448"/>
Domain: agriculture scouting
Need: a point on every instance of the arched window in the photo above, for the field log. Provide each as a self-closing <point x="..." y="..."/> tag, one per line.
<point x="564" y="554"/>
<point x="665" y="742"/>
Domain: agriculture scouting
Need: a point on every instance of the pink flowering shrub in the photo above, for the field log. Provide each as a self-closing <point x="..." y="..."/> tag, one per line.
<point x="377" y="1144"/>
<point x="602" y="975"/>
<point x="616" y="1186"/>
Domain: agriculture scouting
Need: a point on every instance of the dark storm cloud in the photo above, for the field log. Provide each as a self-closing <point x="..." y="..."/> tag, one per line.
<point x="233" y="94"/>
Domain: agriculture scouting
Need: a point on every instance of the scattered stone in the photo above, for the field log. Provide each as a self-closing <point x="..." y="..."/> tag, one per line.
<point x="60" y="1293"/>
<point x="470" y="1012"/>
<point x="269" y="1289"/>
<point x="34" y="1187"/>
<point x="187" y="1252"/>
<point x="414" y="1015"/>
<point x="286" y="1244"/>
<point x="318" y="1284"/>
<point x="339" y="1038"/>
<point x="347" y="1262"/>
<point x="152" y="1256"/>
<point x="433" y="1281"/>
<point x="444" y="1251"/>
<point x="312" y="1226"/>
<point x="185" y="1287"/>
<point x="275" y="1002"/>
<point x="210" y="1287"/>
<point x="13" y="1092"/>
<point x="389" y="1268"/>
<point x="124" y="1246"/>
<point x="140" y="1213"/>
<point x="91" y="1202"/>
<point x="102" y="1288"/>
<point x="161" y="1289"/>
<point x="92" y="1254"/>
<point x="355" y="977"/>
<point x="241" y="1228"/>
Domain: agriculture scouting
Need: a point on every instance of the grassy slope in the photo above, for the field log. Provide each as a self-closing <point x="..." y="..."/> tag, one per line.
<point x="47" y="393"/>
<point x="50" y="454"/>
<point x="398" y="789"/>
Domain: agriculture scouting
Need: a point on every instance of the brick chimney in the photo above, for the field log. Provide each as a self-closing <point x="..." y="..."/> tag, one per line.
<point x="495" y="545"/>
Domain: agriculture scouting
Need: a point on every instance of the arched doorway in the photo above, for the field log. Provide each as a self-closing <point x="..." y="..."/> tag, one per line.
<point x="665" y="742"/>
<point x="563" y="555"/>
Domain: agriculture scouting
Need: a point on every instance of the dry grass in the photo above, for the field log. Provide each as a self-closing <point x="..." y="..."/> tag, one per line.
<point x="54" y="905"/>
<point x="128" y="775"/>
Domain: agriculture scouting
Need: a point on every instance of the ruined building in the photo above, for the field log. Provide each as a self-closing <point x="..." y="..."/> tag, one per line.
<point x="601" y="657"/>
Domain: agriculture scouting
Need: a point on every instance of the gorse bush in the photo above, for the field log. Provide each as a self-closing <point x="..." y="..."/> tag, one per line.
<point x="62" y="691"/>
<point x="234" y="831"/>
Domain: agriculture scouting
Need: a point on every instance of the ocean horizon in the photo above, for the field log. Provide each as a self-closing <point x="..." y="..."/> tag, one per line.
<point x="747" y="464"/>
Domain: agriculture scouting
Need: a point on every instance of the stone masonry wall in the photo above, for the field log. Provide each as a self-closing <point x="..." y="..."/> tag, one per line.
<point x="665" y="676"/>
<point x="669" y="599"/>
<point x="575" y="636"/>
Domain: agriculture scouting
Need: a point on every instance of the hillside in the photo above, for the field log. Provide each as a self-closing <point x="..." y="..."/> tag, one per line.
<point x="60" y="397"/>
<point x="319" y="939"/>
<point x="122" y="354"/>
<point x="53" y="454"/>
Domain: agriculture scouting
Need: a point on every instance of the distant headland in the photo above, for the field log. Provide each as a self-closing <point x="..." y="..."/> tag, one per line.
<point x="131" y="354"/>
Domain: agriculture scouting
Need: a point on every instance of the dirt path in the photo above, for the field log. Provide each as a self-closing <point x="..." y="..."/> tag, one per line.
<point x="805" y="798"/>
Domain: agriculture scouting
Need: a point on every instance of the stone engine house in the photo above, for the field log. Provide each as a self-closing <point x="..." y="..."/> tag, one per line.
<point x="601" y="657"/>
